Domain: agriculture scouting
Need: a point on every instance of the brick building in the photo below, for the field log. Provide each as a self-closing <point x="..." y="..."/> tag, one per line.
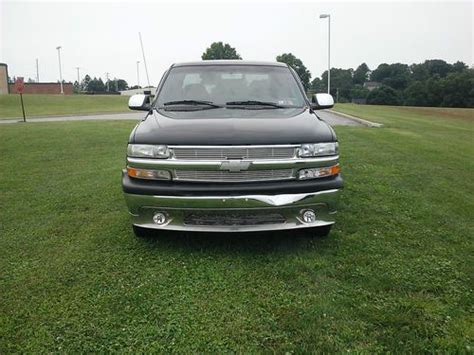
<point x="44" y="88"/>
<point x="3" y="79"/>
<point x="31" y="88"/>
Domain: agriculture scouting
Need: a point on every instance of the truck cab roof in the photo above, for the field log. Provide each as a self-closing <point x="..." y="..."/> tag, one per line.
<point x="229" y="62"/>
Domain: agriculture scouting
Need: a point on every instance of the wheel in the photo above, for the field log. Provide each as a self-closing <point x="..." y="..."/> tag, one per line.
<point x="319" y="231"/>
<point x="142" y="232"/>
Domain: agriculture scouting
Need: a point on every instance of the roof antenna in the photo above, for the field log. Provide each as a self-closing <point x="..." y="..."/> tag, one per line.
<point x="144" y="60"/>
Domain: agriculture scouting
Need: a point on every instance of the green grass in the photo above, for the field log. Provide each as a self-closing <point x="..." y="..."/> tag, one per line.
<point x="396" y="273"/>
<point x="57" y="105"/>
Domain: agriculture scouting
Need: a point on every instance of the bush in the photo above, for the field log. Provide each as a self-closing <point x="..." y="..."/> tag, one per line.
<point x="383" y="95"/>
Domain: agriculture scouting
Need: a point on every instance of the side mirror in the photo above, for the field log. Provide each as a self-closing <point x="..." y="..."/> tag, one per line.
<point x="322" y="101"/>
<point x="139" y="102"/>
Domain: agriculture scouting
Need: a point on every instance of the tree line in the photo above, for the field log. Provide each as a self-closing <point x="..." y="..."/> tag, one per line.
<point x="431" y="83"/>
<point x="93" y="85"/>
<point x="97" y="85"/>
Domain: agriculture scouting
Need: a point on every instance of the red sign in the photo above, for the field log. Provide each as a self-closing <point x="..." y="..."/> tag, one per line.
<point x="19" y="85"/>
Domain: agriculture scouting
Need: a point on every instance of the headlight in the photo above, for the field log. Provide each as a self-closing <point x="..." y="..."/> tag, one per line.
<point x="148" y="151"/>
<point x="318" y="149"/>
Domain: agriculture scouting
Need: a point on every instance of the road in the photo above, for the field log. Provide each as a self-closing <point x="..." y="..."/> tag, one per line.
<point x="330" y="117"/>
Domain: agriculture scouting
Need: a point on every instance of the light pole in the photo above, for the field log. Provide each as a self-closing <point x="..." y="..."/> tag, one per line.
<point x="328" y="16"/>
<point x="60" y="71"/>
<point x="107" y="83"/>
<point x="78" y="76"/>
<point x="138" y="73"/>
<point x="37" y="71"/>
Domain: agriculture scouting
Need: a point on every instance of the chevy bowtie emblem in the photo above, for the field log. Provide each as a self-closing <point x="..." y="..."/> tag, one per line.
<point x="234" y="166"/>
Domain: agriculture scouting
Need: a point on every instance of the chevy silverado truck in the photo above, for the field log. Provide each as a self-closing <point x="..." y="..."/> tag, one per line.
<point x="231" y="146"/>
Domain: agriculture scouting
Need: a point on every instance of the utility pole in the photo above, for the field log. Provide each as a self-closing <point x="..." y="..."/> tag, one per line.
<point x="107" y="78"/>
<point x="144" y="60"/>
<point x="60" y="71"/>
<point x="37" y="71"/>
<point x="78" y="76"/>
<point x="328" y="16"/>
<point x="138" y="73"/>
<point x="116" y="84"/>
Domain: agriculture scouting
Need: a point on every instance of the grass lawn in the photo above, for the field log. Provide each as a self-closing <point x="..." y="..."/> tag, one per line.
<point x="396" y="274"/>
<point x="57" y="105"/>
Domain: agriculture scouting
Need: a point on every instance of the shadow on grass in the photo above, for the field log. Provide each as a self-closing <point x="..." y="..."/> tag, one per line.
<point x="249" y="242"/>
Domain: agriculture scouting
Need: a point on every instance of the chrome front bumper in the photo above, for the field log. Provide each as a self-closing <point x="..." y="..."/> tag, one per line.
<point x="246" y="213"/>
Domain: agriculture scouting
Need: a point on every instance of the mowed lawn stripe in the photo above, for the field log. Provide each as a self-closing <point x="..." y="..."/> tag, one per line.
<point x="394" y="275"/>
<point x="60" y="105"/>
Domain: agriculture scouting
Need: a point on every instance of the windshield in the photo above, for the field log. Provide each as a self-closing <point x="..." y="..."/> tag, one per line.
<point x="231" y="85"/>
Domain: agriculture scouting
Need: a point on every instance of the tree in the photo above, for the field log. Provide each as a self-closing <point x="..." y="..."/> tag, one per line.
<point x="361" y="74"/>
<point x="298" y="67"/>
<point x="100" y="86"/>
<point x="416" y="94"/>
<point x="85" y="83"/>
<point x="437" y="67"/>
<point x="459" y="66"/>
<point x="95" y="85"/>
<point x="317" y="85"/>
<point x="122" y="85"/>
<point x="219" y="50"/>
<point x="341" y="83"/>
<point x="458" y="89"/>
<point x="76" y="87"/>
<point x="359" y="92"/>
<point x="383" y="95"/>
<point x="396" y="75"/>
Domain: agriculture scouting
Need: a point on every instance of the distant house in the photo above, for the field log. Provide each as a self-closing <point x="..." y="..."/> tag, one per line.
<point x="371" y="85"/>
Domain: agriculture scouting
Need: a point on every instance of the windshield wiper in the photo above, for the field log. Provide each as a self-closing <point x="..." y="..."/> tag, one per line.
<point x="191" y="102"/>
<point x="254" y="103"/>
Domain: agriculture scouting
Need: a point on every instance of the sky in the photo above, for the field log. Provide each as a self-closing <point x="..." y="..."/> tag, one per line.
<point x="102" y="37"/>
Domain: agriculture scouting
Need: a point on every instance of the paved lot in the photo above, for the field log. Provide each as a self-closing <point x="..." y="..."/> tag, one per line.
<point x="336" y="120"/>
<point x="92" y="117"/>
<point x="330" y="117"/>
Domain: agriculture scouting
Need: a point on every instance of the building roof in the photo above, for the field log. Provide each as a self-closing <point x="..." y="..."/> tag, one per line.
<point x="229" y="62"/>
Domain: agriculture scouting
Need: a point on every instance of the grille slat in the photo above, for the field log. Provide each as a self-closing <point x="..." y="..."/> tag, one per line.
<point x="220" y="153"/>
<point x="241" y="176"/>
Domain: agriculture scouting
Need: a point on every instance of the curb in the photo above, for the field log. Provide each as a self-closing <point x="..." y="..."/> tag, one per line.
<point x="358" y="119"/>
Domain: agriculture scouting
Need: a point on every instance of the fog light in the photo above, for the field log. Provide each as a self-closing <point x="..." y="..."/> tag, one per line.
<point x="159" y="218"/>
<point x="309" y="216"/>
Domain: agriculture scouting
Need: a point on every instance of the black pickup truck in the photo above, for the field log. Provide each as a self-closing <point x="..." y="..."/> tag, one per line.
<point x="231" y="146"/>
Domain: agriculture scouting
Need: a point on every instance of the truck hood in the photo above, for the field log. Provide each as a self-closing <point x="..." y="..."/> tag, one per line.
<point x="232" y="127"/>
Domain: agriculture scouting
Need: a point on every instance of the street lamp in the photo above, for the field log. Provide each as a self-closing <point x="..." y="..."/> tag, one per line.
<point x="328" y="16"/>
<point x="138" y="73"/>
<point x="60" y="71"/>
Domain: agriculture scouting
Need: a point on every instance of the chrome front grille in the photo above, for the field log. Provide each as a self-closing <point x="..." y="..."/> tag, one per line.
<point x="232" y="219"/>
<point x="241" y="152"/>
<point x="226" y="176"/>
